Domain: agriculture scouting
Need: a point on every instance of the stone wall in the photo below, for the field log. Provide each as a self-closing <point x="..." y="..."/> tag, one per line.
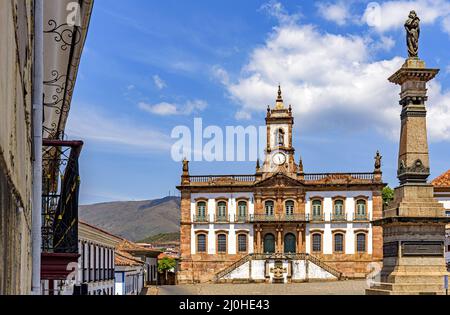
<point x="16" y="56"/>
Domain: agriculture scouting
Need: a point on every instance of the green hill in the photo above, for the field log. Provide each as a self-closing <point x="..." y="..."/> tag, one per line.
<point x="162" y="238"/>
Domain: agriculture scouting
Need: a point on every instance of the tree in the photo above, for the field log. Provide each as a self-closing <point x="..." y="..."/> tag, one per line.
<point x="165" y="265"/>
<point x="388" y="195"/>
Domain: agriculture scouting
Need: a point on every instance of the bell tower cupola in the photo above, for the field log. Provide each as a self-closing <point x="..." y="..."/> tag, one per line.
<point x="279" y="151"/>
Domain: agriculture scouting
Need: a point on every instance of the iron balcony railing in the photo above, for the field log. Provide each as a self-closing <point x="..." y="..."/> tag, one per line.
<point x="241" y="219"/>
<point x="278" y="218"/>
<point x="361" y="217"/>
<point x="316" y="217"/>
<point x="222" y="219"/>
<point x="329" y="217"/>
<point x="61" y="183"/>
<point x="338" y="217"/>
<point x="200" y="219"/>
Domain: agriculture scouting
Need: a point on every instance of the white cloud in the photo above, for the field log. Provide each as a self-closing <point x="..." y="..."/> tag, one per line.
<point x="159" y="83"/>
<point x="92" y="125"/>
<point x="168" y="109"/>
<point x="334" y="12"/>
<point x="385" y="43"/>
<point x="220" y="74"/>
<point x="161" y="109"/>
<point x="446" y="25"/>
<point x="276" y="10"/>
<point x="242" y="115"/>
<point x="331" y="81"/>
<point x="393" y="14"/>
<point x="438" y="112"/>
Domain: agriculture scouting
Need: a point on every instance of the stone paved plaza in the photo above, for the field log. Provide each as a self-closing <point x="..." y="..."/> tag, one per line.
<point x="354" y="287"/>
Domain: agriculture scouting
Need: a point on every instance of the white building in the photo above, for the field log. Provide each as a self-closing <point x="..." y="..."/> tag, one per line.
<point x="94" y="274"/>
<point x="234" y="226"/>
<point x="129" y="274"/>
<point x="147" y="255"/>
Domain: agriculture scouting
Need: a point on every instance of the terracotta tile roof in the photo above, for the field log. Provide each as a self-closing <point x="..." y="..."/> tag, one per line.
<point x="442" y="181"/>
<point x="168" y="255"/>
<point x="126" y="260"/>
<point x="130" y="247"/>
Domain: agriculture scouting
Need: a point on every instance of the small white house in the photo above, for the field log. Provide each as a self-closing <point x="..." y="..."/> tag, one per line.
<point x="129" y="274"/>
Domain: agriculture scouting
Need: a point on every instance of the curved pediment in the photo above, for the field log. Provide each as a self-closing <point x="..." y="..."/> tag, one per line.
<point x="279" y="180"/>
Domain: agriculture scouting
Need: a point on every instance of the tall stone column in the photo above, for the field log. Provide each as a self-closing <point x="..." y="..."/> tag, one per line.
<point x="279" y="240"/>
<point x="299" y="239"/>
<point x="414" y="223"/>
<point x="258" y="239"/>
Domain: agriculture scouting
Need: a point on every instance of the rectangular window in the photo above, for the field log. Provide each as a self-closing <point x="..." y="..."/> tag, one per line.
<point x="338" y="243"/>
<point x="222" y="243"/>
<point x="317" y="243"/>
<point x="242" y="243"/>
<point x="361" y="243"/>
<point x="201" y="243"/>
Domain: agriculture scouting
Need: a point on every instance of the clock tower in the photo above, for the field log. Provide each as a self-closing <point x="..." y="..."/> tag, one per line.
<point x="280" y="155"/>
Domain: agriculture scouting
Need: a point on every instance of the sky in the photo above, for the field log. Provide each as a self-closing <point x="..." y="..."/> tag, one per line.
<point x="150" y="66"/>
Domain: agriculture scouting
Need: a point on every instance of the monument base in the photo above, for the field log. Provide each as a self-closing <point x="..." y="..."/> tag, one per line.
<point x="414" y="240"/>
<point x="414" y="63"/>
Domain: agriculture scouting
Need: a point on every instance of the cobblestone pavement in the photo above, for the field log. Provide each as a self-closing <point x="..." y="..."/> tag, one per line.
<point x="353" y="287"/>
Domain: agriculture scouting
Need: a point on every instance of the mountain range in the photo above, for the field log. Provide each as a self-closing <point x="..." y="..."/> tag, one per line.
<point x="135" y="220"/>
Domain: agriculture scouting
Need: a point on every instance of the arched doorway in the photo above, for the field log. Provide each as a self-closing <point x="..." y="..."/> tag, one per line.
<point x="269" y="244"/>
<point x="290" y="245"/>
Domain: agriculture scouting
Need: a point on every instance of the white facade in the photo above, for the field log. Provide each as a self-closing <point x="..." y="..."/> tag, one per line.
<point x="232" y="228"/>
<point x="129" y="280"/>
<point x="94" y="274"/>
<point x="350" y="226"/>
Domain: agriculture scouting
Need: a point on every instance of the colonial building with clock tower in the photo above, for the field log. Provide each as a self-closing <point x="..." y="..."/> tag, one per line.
<point x="280" y="224"/>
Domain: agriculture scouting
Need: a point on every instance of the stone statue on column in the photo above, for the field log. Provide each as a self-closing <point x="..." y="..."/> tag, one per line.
<point x="378" y="158"/>
<point x="412" y="27"/>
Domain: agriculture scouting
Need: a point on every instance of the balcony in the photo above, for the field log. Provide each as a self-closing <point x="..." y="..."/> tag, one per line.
<point x="61" y="184"/>
<point x="277" y="218"/>
<point x="338" y="217"/>
<point x="241" y="219"/>
<point x="361" y="217"/>
<point x="222" y="219"/>
<point x="316" y="217"/>
<point x="200" y="219"/>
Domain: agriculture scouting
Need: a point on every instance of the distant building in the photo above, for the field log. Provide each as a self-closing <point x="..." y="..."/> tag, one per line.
<point x="147" y="255"/>
<point x="129" y="274"/>
<point x="442" y="193"/>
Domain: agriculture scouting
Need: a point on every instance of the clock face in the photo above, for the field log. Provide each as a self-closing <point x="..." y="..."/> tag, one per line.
<point x="279" y="159"/>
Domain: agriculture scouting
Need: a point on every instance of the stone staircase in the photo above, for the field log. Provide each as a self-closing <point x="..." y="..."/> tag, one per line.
<point x="300" y="256"/>
<point x="232" y="267"/>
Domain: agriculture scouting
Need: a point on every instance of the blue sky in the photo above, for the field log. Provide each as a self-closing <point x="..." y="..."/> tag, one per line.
<point x="149" y="66"/>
